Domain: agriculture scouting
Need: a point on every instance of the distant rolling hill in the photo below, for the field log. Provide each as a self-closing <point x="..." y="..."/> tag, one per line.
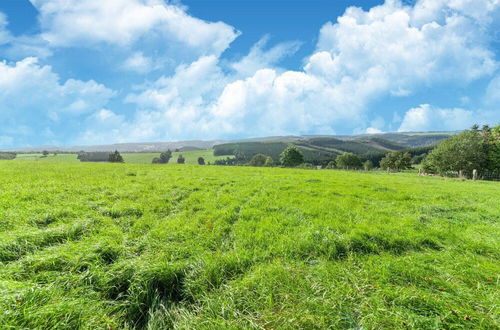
<point x="322" y="146"/>
<point x="320" y="149"/>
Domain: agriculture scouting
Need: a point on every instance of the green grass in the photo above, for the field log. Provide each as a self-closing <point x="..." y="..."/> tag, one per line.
<point x="130" y="158"/>
<point x="101" y="246"/>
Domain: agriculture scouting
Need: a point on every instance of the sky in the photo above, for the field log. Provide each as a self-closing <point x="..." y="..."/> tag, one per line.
<point x="84" y="72"/>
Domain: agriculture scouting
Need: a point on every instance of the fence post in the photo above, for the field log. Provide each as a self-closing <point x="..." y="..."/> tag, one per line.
<point x="474" y="175"/>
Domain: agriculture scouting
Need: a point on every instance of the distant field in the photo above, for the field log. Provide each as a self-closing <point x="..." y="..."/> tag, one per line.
<point x="131" y="158"/>
<point x="113" y="246"/>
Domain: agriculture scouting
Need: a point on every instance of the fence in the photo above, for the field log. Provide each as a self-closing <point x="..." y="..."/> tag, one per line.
<point x="474" y="175"/>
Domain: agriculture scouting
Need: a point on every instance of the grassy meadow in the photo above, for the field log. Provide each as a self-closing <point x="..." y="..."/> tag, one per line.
<point x="108" y="246"/>
<point x="130" y="158"/>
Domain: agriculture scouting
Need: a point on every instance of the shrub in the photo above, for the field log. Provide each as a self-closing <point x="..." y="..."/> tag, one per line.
<point x="258" y="160"/>
<point x="201" y="161"/>
<point x="368" y="165"/>
<point x="181" y="160"/>
<point x="93" y="156"/>
<point x="269" y="162"/>
<point x="331" y="165"/>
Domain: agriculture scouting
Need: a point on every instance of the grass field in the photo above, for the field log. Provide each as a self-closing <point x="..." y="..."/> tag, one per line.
<point x="107" y="246"/>
<point x="130" y="158"/>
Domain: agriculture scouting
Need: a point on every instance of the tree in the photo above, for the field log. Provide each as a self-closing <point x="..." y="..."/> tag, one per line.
<point x="348" y="161"/>
<point x="291" y="156"/>
<point x="269" y="162"/>
<point x="396" y="161"/>
<point x="181" y="160"/>
<point x="165" y="157"/>
<point x="258" y="160"/>
<point x="368" y="165"/>
<point x="156" y="160"/>
<point x="201" y="161"/>
<point x="116" y="157"/>
<point x="45" y="153"/>
<point x="465" y="152"/>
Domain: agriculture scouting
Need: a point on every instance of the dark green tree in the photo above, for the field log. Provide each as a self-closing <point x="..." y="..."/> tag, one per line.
<point x="45" y="153"/>
<point x="165" y="157"/>
<point x="258" y="160"/>
<point x="396" y="161"/>
<point x="201" y="161"/>
<point x="181" y="160"/>
<point x="348" y="161"/>
<point x="291" y="157"/>
<point x="116" y="157"/>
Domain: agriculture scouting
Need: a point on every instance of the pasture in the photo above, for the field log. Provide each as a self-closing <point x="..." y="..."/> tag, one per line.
<point x="107" y="246"/>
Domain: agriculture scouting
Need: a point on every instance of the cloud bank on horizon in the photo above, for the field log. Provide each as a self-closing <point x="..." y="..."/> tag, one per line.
<point x="432" y="65"/>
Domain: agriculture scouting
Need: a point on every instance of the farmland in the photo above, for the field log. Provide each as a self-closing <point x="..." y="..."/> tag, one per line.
<point x="131" y="158"/>
<point x="103" y="246"/>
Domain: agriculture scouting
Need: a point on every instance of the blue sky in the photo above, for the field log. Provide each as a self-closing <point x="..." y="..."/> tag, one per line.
<point x="99" y="72"/>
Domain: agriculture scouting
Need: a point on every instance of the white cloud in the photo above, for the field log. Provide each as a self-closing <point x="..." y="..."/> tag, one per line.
<point x="32" y="96"/>
<point x="259" y="58"/>
<point x="430" y="118"/>
<point x="405" y="54"/>
<point x="125" y="22"/>
<point x="26" y="84"/>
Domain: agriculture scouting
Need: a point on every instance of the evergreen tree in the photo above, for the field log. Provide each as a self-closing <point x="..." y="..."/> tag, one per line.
<point x="116" y="157"/>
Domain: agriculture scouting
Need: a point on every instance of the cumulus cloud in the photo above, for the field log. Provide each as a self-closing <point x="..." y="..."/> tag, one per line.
<point x="430" y="118"/>
<point x="32" y="98"/>
<point x="125" y="22"/>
